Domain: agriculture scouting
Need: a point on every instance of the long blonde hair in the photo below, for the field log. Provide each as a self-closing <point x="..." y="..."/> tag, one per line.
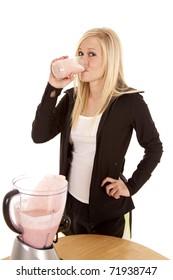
<point x="114" y="83"/>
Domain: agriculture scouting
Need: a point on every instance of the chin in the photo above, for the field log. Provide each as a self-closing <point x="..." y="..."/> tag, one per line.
<point x="85" y="80"/>
<point x="84" y="77"/>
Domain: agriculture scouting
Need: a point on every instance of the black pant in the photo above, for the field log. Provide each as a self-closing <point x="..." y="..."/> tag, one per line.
<point x="81" y="224"/>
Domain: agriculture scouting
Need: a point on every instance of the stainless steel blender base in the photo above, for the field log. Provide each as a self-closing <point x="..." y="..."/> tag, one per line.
<point x="22" y="251"/>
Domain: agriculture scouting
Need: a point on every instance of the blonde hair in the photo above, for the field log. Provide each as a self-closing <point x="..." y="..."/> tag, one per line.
<point x="114" y="83"/>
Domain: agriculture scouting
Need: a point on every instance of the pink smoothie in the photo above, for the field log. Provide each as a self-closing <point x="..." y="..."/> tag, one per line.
<point x="39" y="227"/>
<point x="64" y="67"/>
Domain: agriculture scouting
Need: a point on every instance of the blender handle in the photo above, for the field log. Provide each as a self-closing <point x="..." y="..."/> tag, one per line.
<point x="64" y="226"/>
<point x="6" y="206"/>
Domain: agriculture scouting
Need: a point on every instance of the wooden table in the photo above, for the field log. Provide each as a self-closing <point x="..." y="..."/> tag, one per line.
<point x="101" y="247"/>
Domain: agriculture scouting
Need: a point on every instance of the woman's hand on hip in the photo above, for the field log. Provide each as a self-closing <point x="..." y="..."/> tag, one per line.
<point x="115" y="188"/>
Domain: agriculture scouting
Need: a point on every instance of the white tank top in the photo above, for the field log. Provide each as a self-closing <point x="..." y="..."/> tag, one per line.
<point x="83" y="139"/>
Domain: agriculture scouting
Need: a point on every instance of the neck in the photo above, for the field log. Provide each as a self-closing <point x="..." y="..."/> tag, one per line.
<point x="94" y="98"/>
<point x="96" y="89"/>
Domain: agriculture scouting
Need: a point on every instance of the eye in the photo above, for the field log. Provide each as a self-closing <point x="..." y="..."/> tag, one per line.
<point x="80" y="53"/>
<point x="90" y="54"/>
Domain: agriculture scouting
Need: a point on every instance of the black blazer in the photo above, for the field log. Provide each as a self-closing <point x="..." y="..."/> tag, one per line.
<point x="123" y="115"/>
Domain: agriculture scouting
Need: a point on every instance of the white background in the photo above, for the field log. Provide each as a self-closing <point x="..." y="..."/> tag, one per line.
<point x="34" y="32"/>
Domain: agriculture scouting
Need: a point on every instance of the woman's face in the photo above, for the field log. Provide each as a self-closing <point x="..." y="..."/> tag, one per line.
<point x="91" y="53"/>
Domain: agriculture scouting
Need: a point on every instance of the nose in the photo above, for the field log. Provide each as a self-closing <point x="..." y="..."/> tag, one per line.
<point x="84" y="61"/>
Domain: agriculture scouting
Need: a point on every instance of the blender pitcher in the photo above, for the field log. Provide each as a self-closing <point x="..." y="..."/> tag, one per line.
<point x="34" y="210"/>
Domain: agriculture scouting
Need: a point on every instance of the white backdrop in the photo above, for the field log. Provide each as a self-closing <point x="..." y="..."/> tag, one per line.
<point x="34" y="32"/>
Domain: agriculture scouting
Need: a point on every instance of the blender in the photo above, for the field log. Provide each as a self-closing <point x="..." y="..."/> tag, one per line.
<point x="34" y="209"/>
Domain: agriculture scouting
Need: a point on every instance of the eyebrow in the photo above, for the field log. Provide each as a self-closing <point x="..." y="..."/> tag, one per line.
<point x="88" y="49"/>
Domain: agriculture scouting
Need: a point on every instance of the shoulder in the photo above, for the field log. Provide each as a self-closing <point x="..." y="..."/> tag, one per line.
<point x="130" y="104"/>
<point x="131" y="99"/>
<point x="134" y="95"/>
<point x="69" y="93"/>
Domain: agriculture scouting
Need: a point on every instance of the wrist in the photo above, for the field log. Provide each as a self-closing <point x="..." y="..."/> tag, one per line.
<point x="52" y="90"/>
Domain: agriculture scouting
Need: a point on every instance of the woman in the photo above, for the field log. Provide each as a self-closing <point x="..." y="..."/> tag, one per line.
<point x="96" y="119"/>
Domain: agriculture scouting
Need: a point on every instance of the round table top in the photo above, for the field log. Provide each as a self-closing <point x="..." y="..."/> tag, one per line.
<point x="101" y="247"/>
